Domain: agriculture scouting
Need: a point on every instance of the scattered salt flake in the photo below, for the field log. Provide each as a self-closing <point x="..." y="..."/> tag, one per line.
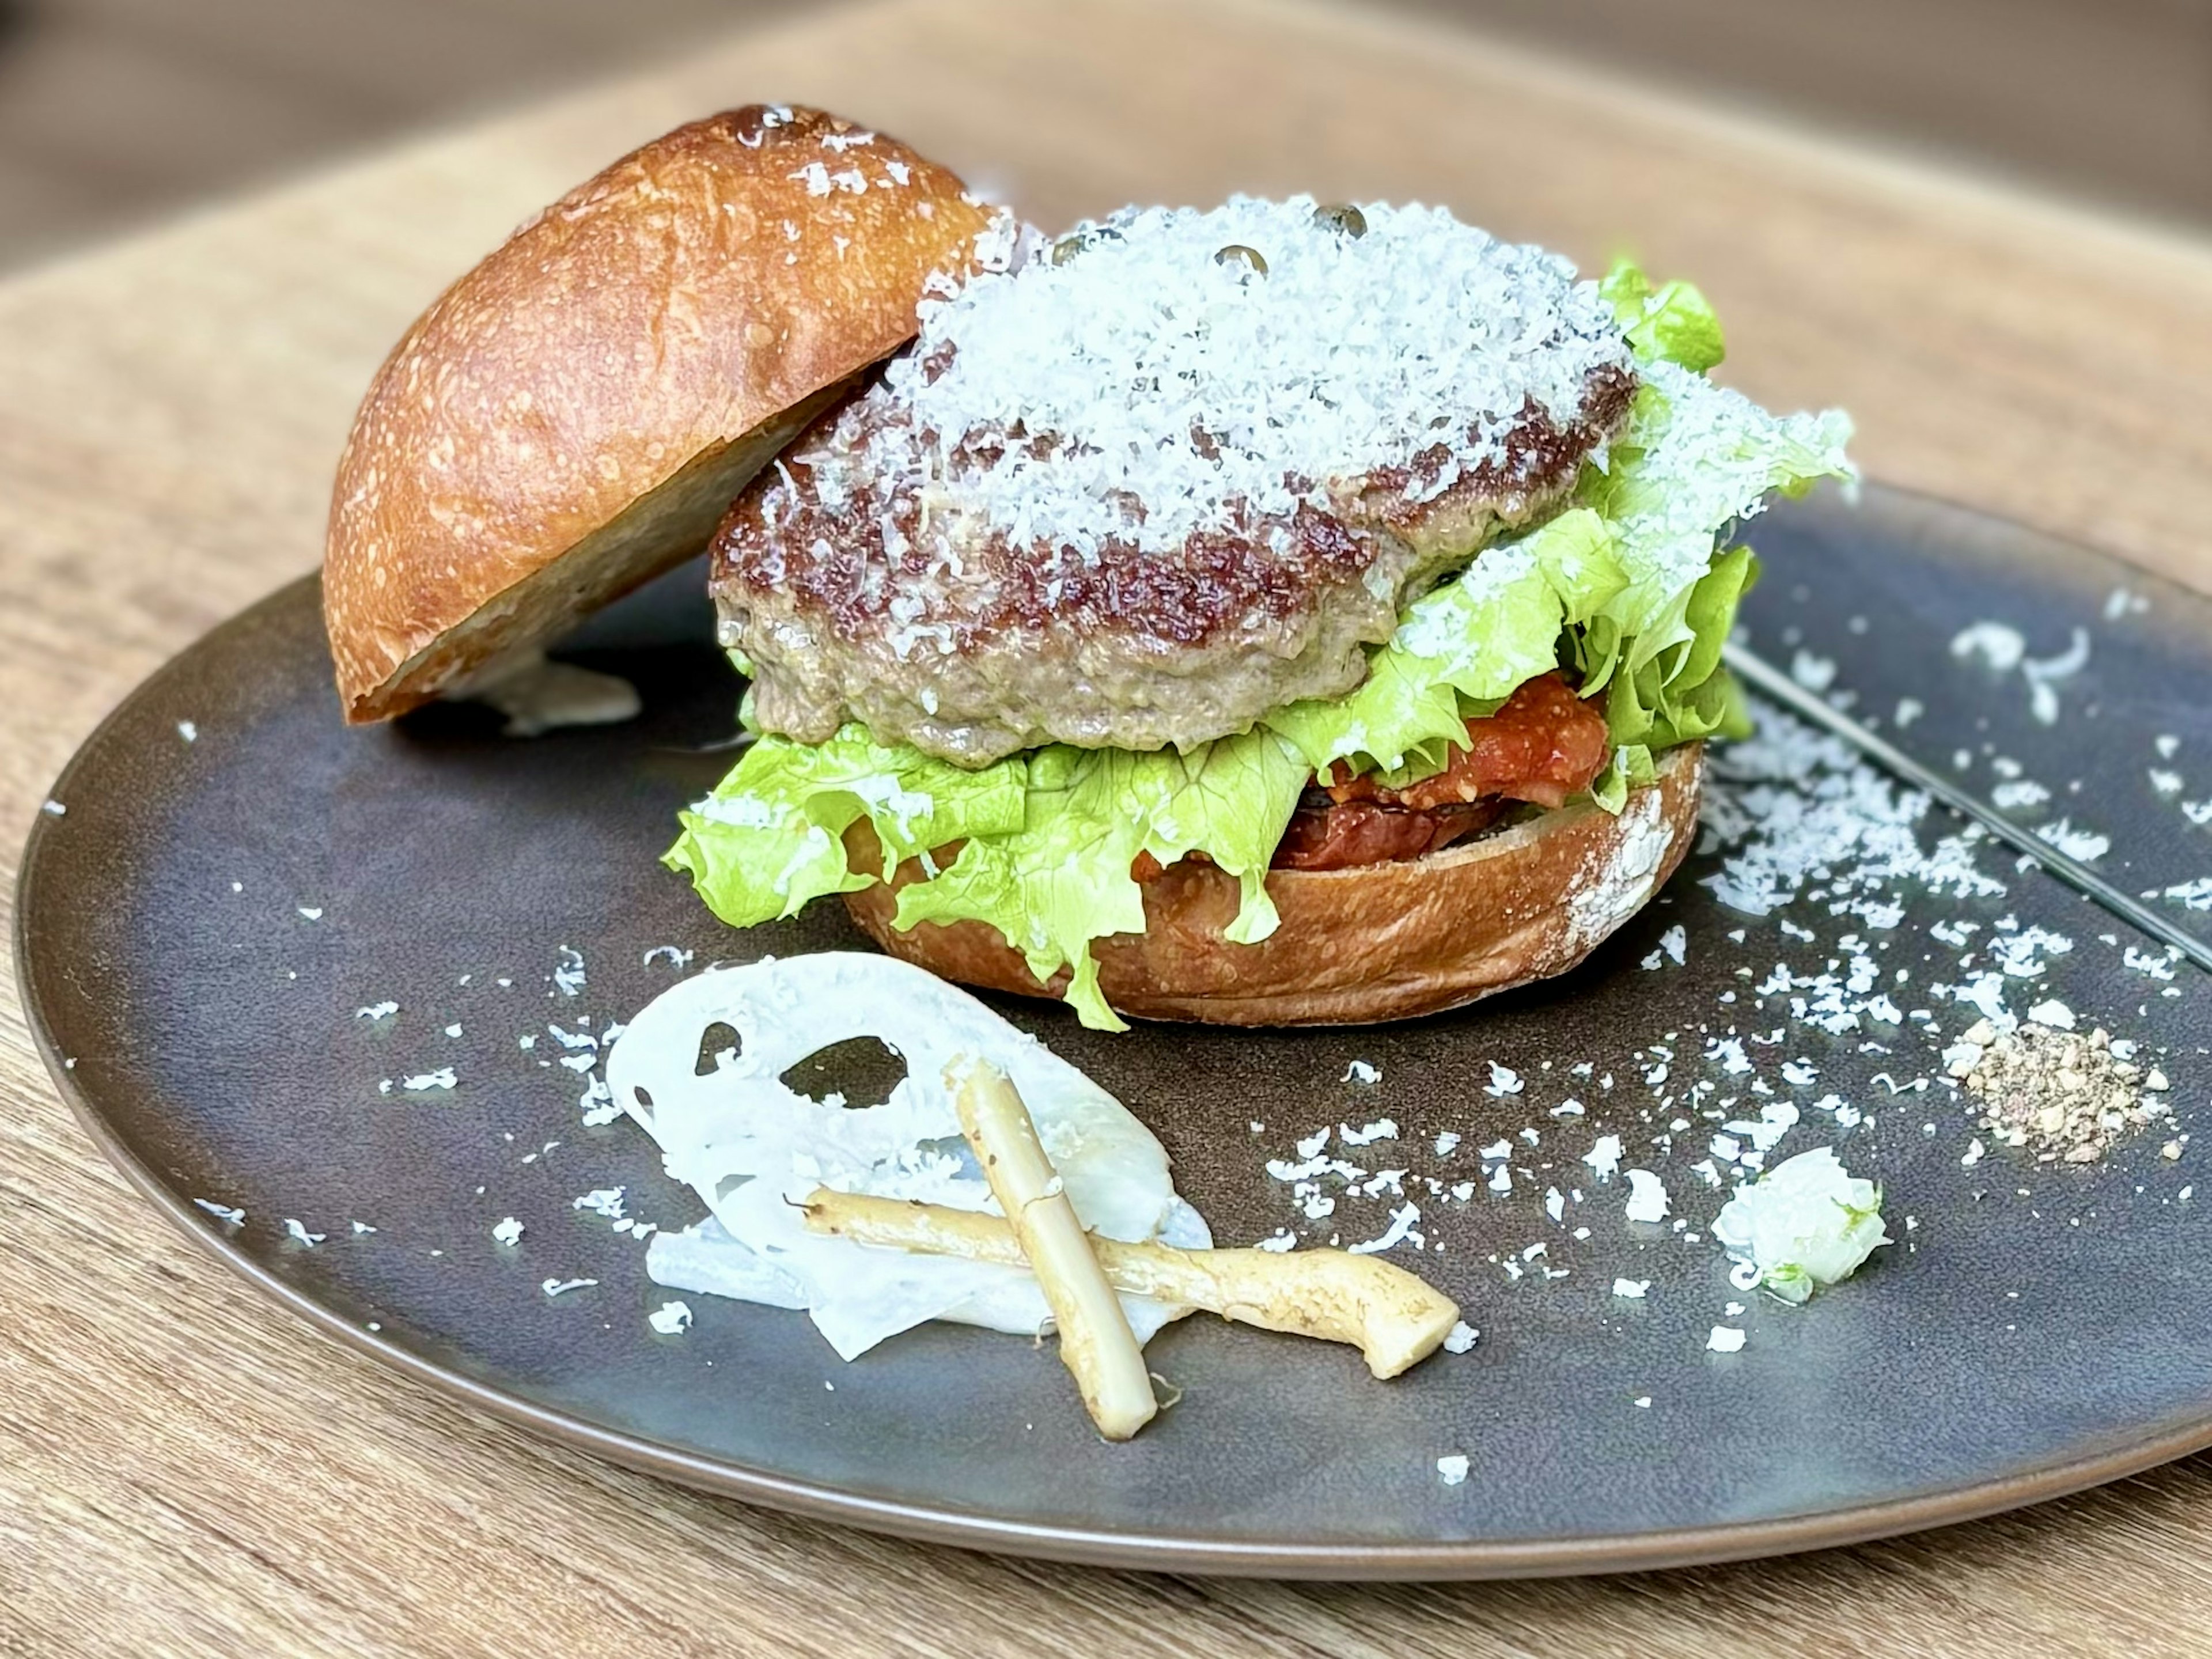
<point x="422" y="1082"/>
<point x="1382" y="1129"/>
<point x="189" y="732"/>
<point x="1361" y="1072"/>
<point x="454" y="1029"/>
<point x="1452" y="1470"/>
<point x="1278" y="1242"/>
<point x="671" y="1318"/>
<point x="2053" y="1013"/>
<point x="553" y="1287"/>
<point x="1461" y="1337"/>
<point x="1604" y="1157"/>
<point x="1642" y="1402"/>
<point x="296" y="1231"/>
<point x="1447" y="1142"/>
<point x="1633" y="1289"/>
<point x="508" y="1231"/>
<point x="676" y="956"/>
<point x="2168" y="745"/>
<point x="222" y="1212"/>
<point x="377" y="1010"/>
<point x="2166" y="782"/>
<point x="1555" y="1203"/>
<point x="312" y="912"/>
<point x="52" y="808"/>
<point x="362" y="1228"/>
<point x="1647" y="1196"/>
<point x="602" y="1201"/>
<point x="1503" y="1081"/>
<point x="1725" y="1339"/>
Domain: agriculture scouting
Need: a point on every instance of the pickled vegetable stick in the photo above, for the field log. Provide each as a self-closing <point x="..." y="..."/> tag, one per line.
<point x="1392" y="1317"/>
<point x="1096" y="1342"/>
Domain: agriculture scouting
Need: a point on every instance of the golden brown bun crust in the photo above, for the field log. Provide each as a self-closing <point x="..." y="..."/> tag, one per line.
<point x="1388" y="941"/>
<point x="573" y="416"/>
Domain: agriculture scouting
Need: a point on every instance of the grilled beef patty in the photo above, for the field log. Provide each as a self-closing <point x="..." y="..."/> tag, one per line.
<point x="1146" y="493"/>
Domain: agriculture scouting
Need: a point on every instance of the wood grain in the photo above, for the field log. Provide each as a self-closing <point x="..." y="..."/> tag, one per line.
<point x="183" y="1470"/>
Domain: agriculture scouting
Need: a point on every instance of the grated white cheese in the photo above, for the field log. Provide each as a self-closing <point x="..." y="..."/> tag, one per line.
<point x="1401" y="1231"/>
<point x="1349" y="355"/>
<point x="1804" y="817"/>
<point x="1383" y="1128"/>
<point x="2196" y="894"/>
<point x="1647" y="1197"/>
<point x="605" y="1201"/>
<point x="568" y="975"/>
<point x="2001" y="647"/>
<point x="2085" y="845"/>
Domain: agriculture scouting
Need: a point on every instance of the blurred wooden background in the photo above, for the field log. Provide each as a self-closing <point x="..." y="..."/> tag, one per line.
<point x="116" y="112"/>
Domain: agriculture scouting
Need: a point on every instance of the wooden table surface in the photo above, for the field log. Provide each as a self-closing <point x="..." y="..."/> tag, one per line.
<point x="183" y="1469"/>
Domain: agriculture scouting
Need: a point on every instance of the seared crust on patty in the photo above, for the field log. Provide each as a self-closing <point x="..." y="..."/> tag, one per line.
<point x="1030" y="643"/>
<point x="1003" y="545"/>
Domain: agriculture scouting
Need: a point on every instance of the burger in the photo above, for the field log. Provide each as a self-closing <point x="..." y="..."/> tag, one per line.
<point x="1281" y="613"/>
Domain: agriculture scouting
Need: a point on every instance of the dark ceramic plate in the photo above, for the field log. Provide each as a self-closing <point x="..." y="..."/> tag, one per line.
<point x="199" y="927"/>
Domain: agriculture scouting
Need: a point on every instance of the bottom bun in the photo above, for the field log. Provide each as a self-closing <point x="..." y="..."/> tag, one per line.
<point x="1384" y="941"/>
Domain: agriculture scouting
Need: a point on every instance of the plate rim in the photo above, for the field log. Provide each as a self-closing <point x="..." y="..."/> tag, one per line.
<point x="1433" y="1561"/>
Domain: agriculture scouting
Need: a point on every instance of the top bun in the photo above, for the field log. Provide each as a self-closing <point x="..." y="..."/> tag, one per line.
<point x="572" y="417"/>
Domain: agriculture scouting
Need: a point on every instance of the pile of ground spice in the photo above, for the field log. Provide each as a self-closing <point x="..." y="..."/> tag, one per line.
<point x="2066" y="1097"/>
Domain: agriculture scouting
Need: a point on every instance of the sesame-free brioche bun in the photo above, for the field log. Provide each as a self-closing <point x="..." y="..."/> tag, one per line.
<point x="1383" y="941"/>
<point x="573" y="416"/>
